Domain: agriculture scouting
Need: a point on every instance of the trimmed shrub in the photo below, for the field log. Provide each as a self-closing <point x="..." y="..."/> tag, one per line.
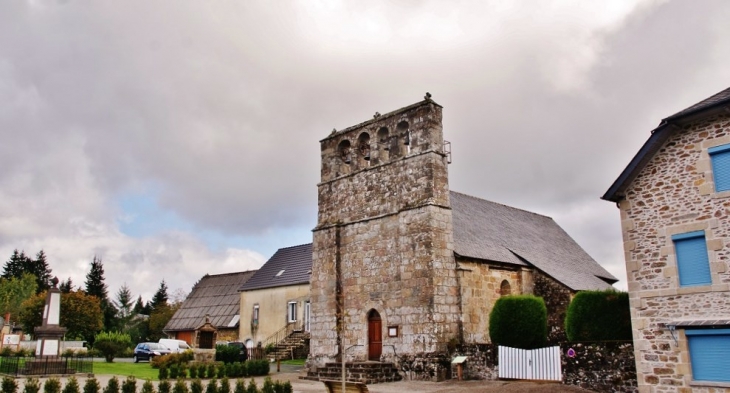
<point x="163" y="386"/>
<point x="196" y="386"/>
<point x="240" y="386"/>
<point x="72" y="386"/>
<point x="52" y="385"/>
<point x="129" y="385"/>
<point x="32" y="385"/>
<point x="252" y="388"/>
<point x="180" y="386"/>
<point x="193" y="368"/>
<point x="112" y="344"/>
<point x="212" y="386"/>
<point x="227" y="353"/>
<point x="9" y="385"/>
<point x="211" y="370"/>
<point x="112" y="386"/>
<point x="148" y="387"/>
<point x="599" y="316"/>
<point x="170" y="359"/>
<point x="174" y="371"/>
<point x="162" y="374"/>
<point x="268" y="386"/>
<point x="519" y="321"/>
<point x="92" y="386"/>
<point x="225" y="386"/>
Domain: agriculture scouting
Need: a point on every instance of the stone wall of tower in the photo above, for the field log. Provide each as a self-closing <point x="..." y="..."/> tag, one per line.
<point x="384" y="238"/>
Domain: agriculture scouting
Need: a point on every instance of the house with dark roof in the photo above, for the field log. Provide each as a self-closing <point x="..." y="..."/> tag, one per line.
<point x="674" y="201"/>
<point x="215" y="298"/>
<point x="276" y="298"/>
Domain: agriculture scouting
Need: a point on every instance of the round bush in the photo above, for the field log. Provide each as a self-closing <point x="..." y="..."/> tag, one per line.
<point x="519" y="321"/>
<point x="599" y="316"/>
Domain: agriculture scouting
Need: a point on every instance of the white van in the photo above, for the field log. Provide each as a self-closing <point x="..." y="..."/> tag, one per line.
<point x="176" y="346"/>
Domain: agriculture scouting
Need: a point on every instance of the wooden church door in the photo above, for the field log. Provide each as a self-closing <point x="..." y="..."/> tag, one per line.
<point x="375" y="335"/>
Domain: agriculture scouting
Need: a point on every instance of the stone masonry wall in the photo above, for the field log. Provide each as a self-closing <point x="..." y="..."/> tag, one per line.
<point x="674" y="194"/>
<point x="600" y="367"/>
<point x="480" y="287"/>
<point x="384" y="239"/>
<point x="557" y="298"/>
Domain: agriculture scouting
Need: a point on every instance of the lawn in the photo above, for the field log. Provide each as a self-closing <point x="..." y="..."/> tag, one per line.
<point x="141" y="371"/>
<point x="294" y="362"/>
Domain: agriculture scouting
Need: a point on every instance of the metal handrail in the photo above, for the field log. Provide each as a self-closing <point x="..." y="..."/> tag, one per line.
<point x="283" y="333"/>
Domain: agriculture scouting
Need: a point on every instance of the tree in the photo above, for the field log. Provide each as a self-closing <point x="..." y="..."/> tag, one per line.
<point x="39" y="267"/>
<point x="66" y="286"/>
<point x="112" y="344"/>
<point x="124" y="302"/>
<point x="14" y="291"/>
<point x="160" y="297"/>
<point x="158" y="319"/>
<point x="16" y="265"/>
<point x="139" y="306"/>
<point x="94" y="283"/>
<point x="19" y="263"/>
<point x="80" y="314"/>
<point x="95" y="286"/>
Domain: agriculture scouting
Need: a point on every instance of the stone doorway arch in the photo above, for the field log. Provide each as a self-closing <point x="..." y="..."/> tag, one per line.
<point x="375" y="335"/>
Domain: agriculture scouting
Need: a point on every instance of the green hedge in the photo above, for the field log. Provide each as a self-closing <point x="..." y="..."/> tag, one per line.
<point x="599" y="316"/>
<point x="519" y="321"/>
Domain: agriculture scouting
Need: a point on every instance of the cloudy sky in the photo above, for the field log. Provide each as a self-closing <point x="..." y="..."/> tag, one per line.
<point x="178" y="138"/>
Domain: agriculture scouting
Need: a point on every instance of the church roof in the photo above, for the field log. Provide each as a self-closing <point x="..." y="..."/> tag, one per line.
<point x="482" y="230"/>
<point x="495" y="232"/>
<point x="215" y="295"/>
<point x="288" y="266"/>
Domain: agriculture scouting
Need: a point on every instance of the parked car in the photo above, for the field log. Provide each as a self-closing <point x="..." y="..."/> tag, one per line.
<point x="146" y="351"/>
<point x="243" y="351"/>
<point x="175" y="346"/>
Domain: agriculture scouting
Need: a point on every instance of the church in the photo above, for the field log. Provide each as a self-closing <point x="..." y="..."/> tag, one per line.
<point x="403" y="266"/>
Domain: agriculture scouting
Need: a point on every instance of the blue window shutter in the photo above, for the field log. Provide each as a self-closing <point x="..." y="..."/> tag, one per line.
<point x="720" y="157"/>
<point x="693" y="263"/>
<point x="708" y="355"/>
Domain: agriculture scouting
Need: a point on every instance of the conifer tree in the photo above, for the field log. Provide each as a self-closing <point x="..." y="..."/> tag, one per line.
<point x="19" y="263"/>
<point x="160" y="297"/>
<point x="66" y="286"/>
<point x="95" y="286"/>
<point x="39" y="267"/>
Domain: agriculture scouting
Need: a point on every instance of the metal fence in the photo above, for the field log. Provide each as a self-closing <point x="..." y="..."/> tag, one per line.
<point x="47" y="365"/>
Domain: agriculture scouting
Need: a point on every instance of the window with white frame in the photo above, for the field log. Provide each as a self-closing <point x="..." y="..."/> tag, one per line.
<point x="292" y="313"/>
<point x="720" y="158"/>
<point x="693" y="264"/>
<point x="255" y="317"/>
<point x="708" y="353"/>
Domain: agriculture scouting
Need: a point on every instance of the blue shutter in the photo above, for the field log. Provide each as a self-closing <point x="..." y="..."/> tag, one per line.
<point x="708" y="353"/>
<point x="720" y="157"/>
<point x="693" y="263"/>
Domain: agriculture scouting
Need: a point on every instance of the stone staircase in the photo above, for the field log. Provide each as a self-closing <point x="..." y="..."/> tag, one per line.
<point x="365" y="372"/>
<point x="293" y="346"/>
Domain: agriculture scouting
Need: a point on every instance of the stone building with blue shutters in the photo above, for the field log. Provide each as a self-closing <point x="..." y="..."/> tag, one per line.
<point x="674" y="200"/>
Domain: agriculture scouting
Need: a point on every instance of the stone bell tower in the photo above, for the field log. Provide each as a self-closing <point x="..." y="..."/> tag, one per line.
<point x="383" y="271"/>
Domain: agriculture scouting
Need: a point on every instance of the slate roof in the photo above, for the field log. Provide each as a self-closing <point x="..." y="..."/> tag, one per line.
<point x="667" y="127"/>
<point x="288" y="266"/>
<point x="495" y="232"/>
<point x="216" y="295"/>
<point x="482" y="230"/>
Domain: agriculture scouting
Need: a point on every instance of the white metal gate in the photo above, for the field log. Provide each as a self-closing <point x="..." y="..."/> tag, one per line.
<point x="539" y="364"/>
